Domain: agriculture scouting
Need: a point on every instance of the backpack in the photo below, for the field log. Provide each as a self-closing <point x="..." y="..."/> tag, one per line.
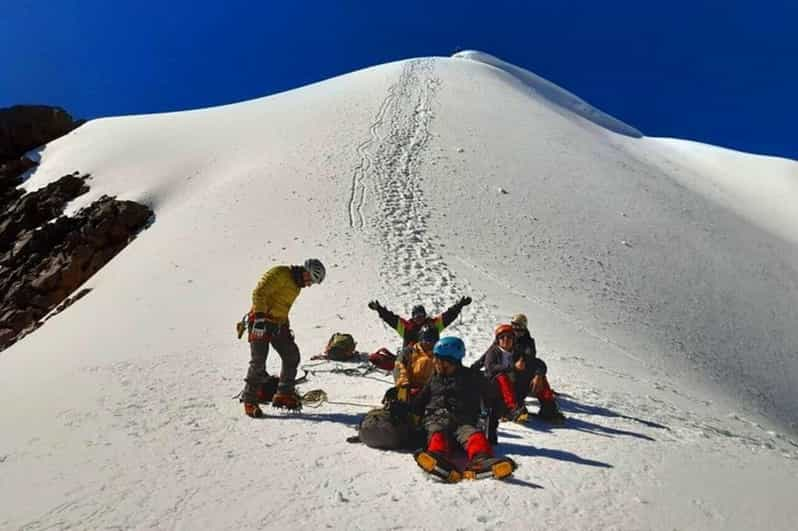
<point x="379" y="429"/>
<point x="340" y="347"/>
<point x="383" y="359"/>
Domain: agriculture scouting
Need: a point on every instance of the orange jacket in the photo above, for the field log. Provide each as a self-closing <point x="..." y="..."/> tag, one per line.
<point x="416" y="370"/>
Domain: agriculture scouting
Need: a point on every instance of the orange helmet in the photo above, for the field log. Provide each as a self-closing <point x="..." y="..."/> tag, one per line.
<point x="502" y="329"/>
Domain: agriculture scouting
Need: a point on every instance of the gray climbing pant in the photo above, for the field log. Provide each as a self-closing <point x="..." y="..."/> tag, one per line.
<point x="443" y="421"/>
<point x="283" y="342"/>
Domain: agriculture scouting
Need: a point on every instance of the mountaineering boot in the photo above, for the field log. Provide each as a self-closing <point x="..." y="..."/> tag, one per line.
<point x="484" y="466"/>
<point x="253" y="410"/>
<point x="550" y="412"/>
<point x="438" y="465"/>
<point x="265" y="391"/>
<point x="287" y="399"/>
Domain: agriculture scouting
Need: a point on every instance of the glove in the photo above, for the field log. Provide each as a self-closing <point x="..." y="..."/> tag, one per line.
<point x="262" y="329"/>
<point x="465" y="301"/>
<point x="374" y="305"/>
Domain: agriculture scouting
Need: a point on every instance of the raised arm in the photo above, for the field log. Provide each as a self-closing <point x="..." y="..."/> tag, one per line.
<point x="448" y="317"/>
<point x="390" y="318"/>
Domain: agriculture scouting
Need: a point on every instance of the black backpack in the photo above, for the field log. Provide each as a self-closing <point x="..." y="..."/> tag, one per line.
<point x="380" y="429"/>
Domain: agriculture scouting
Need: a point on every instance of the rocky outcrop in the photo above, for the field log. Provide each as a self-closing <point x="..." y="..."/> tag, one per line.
<point x="30" y="211"/>
<point x="44" y="255"/>
<point x="24" y="127"/>
<point x="45" y="264"/>
<point x="10" y="173"/>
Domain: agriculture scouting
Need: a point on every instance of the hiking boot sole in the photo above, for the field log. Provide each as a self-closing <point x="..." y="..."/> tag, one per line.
<point x="429" y="464"/>
<point x="499" y="470"/>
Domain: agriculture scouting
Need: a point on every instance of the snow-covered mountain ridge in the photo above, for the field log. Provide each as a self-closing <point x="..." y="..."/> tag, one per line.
<point x="658" y="276"/>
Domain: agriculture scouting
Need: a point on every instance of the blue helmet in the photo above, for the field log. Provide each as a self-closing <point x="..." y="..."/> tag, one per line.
<point x="450" y="347"/>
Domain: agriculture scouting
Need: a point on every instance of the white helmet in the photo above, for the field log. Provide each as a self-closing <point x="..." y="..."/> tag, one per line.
<point x="316" y="270"/>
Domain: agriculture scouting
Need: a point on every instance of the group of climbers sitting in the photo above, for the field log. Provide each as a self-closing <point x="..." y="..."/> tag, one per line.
<point x="435" y="392"/>
<point x="510" y="362"/>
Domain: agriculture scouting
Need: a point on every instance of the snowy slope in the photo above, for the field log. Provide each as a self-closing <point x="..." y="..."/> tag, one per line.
<point x="660" y="289"/>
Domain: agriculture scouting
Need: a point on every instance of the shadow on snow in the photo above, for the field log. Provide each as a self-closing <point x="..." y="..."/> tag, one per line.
<point x="533" y="451"/>
<point x="568" y="404"/>
<point x="347" y="419"/>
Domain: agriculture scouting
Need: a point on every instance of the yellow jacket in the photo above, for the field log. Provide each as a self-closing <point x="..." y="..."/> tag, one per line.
<point x="418" y="369"/>
<point x="275" y="293"/>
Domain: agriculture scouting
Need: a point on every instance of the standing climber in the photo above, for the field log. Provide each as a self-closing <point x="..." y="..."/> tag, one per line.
<point x="267" y="323"/>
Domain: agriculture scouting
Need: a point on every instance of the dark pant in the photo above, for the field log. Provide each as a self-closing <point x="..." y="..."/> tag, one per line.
<point x="283" y="342"/>
<point x="523" y="380"/>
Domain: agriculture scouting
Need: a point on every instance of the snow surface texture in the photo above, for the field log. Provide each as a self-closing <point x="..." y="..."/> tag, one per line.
<point x="658" y="277"/>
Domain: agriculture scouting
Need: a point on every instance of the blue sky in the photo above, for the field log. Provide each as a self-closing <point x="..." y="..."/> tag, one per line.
<point x="725" y="73"/>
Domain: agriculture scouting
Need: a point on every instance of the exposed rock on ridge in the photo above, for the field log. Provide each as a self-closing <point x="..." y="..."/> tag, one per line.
<point x="45" y="256"/>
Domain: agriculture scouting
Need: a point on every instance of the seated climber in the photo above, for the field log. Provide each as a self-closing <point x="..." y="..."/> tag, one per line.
<point x="503" y="367"/>
<point x="408" y="329"/>
<point x="451" y="405"/>
<point x="530" y="371"/>
<point x="395" y="426"/>
<point x="531" y="378"/>
<point x="417" y="366"/>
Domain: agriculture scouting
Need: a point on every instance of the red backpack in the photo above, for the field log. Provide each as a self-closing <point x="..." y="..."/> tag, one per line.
<point x="383" y="359"/>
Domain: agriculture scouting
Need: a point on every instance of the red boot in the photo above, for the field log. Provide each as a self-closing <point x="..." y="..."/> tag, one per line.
<point x="253" y="410"/>
<point x="265" y="391"/>
<point x="481" y="463"/>
<point x="515" y="413"/>
<point x="434" y="459"/>
<point x="287" y="400"/>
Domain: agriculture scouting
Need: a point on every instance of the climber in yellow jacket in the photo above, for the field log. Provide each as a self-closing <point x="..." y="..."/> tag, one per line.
<point x="267" y="323"/>
<point x="417" y="365"/>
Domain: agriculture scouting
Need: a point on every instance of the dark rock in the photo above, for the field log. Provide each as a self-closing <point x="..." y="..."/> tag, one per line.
<point x="32" y="210"/>
<point x="24" y="127"/>
<point x="10" y="178"/>
<point x="45" y="256"/>
<point x="13" y="169"/>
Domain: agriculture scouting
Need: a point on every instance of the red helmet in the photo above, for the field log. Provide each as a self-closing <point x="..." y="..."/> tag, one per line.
<point x="502" y="329"/>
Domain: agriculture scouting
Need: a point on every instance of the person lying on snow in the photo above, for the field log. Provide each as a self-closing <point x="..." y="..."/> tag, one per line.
<point x="408" y="328"/>
<point x="451" y="405"/>
<point x="529" y="371"/>
<point x="267" y="323"/>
